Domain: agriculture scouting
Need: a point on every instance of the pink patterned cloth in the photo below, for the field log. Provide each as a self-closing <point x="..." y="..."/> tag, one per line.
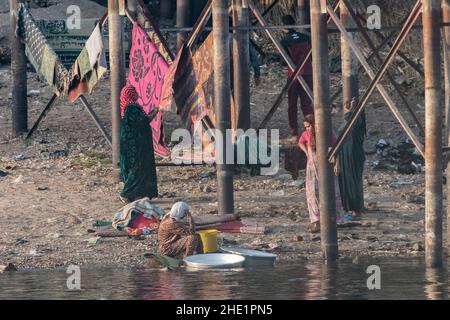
<point x="147" y="71"/>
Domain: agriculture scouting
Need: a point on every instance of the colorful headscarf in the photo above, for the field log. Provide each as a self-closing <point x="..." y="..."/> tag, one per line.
<point x="179" y="211"/>
<point x="128" y="95"/>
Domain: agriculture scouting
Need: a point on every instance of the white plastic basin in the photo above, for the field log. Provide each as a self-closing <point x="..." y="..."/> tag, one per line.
<point x="253" y="257"/>
<point x="214" y="261"/>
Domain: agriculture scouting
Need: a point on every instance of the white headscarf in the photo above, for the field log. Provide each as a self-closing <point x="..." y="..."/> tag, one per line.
<point x="179" y="211"/>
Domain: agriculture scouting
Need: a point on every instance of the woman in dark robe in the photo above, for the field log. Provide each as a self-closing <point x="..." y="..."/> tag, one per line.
<point x="137" y="158"/>
<point x="352" y="158"/>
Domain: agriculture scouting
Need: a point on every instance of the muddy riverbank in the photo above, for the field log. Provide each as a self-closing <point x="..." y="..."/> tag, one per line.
<point x="61" y="181"/>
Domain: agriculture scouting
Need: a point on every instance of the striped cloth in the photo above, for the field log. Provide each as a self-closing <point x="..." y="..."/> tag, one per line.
<point x="40" y="54"/>
<point x="189" y="86"/>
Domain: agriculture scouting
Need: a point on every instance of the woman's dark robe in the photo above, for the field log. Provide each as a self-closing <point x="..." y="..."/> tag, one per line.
<point x="352" y="158"/>
<point x="137" y="158"/>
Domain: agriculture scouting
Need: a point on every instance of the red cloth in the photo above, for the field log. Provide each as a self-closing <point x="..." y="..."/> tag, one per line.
<point x="306" y="138"/>
<point x="128" y="95"/>
<point x="298" y="53"/>
<point x="147" y="71"/>
<point x="140" y="222"/>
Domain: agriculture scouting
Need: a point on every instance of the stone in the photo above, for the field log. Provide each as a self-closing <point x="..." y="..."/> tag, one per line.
<point x="8" y="268"/>
<point x="207" y="189"/>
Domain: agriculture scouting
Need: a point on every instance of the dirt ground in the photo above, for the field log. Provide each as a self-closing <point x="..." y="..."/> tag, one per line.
<point x="65" y="182"/>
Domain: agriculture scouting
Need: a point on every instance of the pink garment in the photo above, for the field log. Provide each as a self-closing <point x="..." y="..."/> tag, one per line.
<point x="312" y="182"/>
<point x="147" y="71"/>
<point x="306" y="138"/>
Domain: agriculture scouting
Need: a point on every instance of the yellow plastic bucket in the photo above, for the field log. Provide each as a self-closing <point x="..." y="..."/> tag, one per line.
<point x="209" y="240"/>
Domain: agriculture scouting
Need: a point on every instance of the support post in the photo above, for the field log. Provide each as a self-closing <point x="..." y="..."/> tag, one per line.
<point x="222" y="104"/>
<point x="321" y="79"/>
<point x="183" y="17"/>
<point x="446" y="18"/>
<point x="431" y="19"/>
<point x="19" y="77"/>
<point x="446" y="46"/>
<point x="349" y="63"/>
<point x="390" y="77"/>
<point x="302" y="12"/>
<point x="117" y="74"/>
<point x="241" y="62"/>
<point x="132" y="8"/>
<point x="165" y="9"/>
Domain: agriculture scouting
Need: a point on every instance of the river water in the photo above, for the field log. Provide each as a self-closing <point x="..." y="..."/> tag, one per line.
<point x="400" y="278"/>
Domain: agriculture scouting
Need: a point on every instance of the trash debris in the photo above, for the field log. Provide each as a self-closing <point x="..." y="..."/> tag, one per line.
<point x="167" y="194"/>
<point x="21" y="241"/>
<point x="33" y="93"/>
<point x="19" y="157"/>
<point x="207" y="189"/>
<point x="3" y="174"/>
<point x="18" y="180"/>
<point x="102" y="223"/>
<point x="58" y="154"/>
<point x="298" y="183"/>
<point x="93" y="241"/>
<point x="417" y="247"/>
<point x="404" y="158"/>
<point x="206" y="175"/>
<point x="42" y="188"/>
<point x="8" y="268"/>
<point x="382" y="144"/>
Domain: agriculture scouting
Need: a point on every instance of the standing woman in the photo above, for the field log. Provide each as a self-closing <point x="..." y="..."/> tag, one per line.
<point x="307" y="143"/>
<point x="352" y="158"/>
<point x="137" y="158"/>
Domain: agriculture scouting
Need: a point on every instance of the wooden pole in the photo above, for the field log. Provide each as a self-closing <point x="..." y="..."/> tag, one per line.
<point x="302" y="12"/>
<point x="446" y="18"/>
<point x="241" y="61"/>
<point x="117" y="74"/>
<point x="349" y="62"/>
<point x="390" y="77"/>
<point x="222" y="103"/>
<point x="321" y="80"/>
<point x="165" y="9"/>
<point x="19" y="76"/>
<point x="433" y="132"/>
<point x="183" y="20"/>
<point x="413" y="16"/>
<point x="132" y="8"/>
<point x="446" y="46"/>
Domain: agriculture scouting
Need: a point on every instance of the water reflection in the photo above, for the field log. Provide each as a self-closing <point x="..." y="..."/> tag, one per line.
<point x="401" y="279"/>
<point x="436" y="282"/>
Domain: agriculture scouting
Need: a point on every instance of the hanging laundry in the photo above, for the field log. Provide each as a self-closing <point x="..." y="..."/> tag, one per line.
<point x="162" y="50"/>
<point x="40" y="54"/>
<point x="189" y="86"/>
<point x="89" y="66"/>
<point x="145" y="18"/>
<point x="147" y="71"/>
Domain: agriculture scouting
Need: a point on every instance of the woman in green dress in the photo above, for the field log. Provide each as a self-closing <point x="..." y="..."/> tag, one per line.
<point x="352" y="158"/>
<point x="137" y="158"/>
